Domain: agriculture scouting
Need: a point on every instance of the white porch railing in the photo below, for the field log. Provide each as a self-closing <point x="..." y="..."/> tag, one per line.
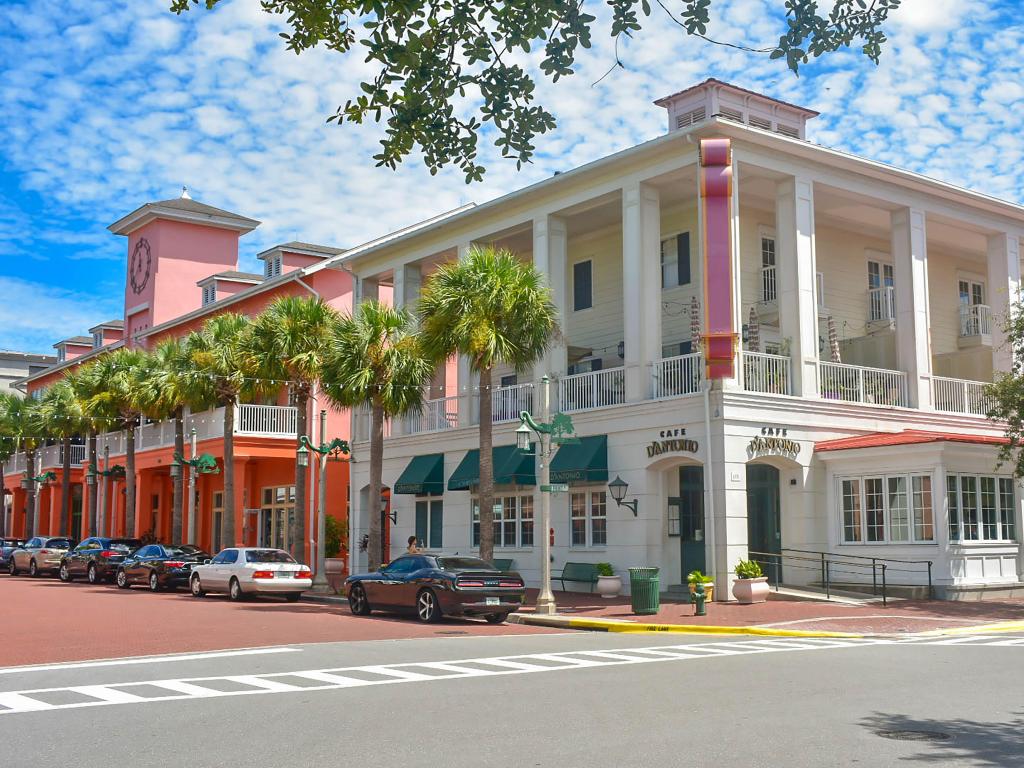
<point x="859" y="384"/>
<point x="595" y="389"/>
<point x="78" y="453"/>
<point x="975" y="320"/>
<point x="437" y="415"/>
<point x="508" y="402"/>
<point x="266" y="420"/>
<point x="769" y="288"/>
<point x="361" y="424"/>
<point x="960" y="396"/>
<point x="679" y="375"/>
<point x="766" y="373"/>
<point x="882" y="304"/>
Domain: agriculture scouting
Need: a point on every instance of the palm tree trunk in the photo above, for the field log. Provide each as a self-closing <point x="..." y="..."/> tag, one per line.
<point x="485" y="491"/>
<point x="375" y="550"/>
<point x="227" y="521"/>
<point x="3" y="505"/>
<point x="297" y="532"/>
<point x="178" y="482"/>
<point x="129" y="484"/>
<point x="31" y="523"/>
<point x="65" y="491"/>
<point x="94" y="488"/>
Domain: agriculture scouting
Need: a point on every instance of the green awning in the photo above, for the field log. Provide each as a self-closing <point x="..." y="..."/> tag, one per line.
<point x="511" y="467"/>
<point x="423" y="476"/>
<point x="582" y="462"/>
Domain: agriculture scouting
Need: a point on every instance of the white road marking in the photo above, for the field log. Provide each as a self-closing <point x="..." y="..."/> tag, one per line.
<point x="146" y="660"/>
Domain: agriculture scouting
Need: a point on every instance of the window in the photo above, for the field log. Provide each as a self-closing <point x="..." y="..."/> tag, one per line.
<point x="61" y="354"/>
<point x="675" y="260"/>
<point x="218" y="515"/>
<point x="209" y="293"/>
<point x="513" y="522"/>
<point x="97" y="339"/>
<point x="971" y="292"/>
<point x="582" y="285"/>
<point x="894" y="509"/>
<point x="272" y="266"/>
<point x="769" y="286"/>
<point x="881" y="302"/>
<point x="588" y="519"/>
<point x="429" y="522"/>
<point x="276" y="514"/>
<point x="981" y="508"/>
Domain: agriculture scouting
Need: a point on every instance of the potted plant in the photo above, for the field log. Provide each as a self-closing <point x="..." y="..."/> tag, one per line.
<point x="696" y="577"/>
<point x="751" y="585"/>
<point x="608" y="583"/>
<point x="335" y="532"/>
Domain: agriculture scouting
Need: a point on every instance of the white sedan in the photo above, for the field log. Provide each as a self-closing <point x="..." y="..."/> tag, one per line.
<point x="244" y="571"/>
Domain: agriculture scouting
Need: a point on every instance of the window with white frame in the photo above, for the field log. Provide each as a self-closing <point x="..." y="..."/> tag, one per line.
<point x="209" y="293"/>
<point x="981" y="508"/>
<point x="513" y="522"/>
<point x="588" y="518"/>
<point x="971" y="292"/>
<point x="675" y="261"/>
<point x="769" y="287"/>
<point x="887" y="509"/>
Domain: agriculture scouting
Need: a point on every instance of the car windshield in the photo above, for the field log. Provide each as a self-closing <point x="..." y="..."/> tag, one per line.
<point x="268" y="556"/>
<point x="184" y="549"/>
<point x="59" y="543"/>
<point x="464" y="564"/>
<point x="123" y="545"/>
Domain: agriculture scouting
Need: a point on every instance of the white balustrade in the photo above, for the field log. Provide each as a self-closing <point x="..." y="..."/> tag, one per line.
<point x="266" y="420"/>
<point x="975" y="320"/>
<point x="766" y="373"/>
<point x="769" y="288"/>
<point x="595" y="389"/>
<point x="961" y="396"/>
<point x="882" y="304"/>
<point x="508" y="402"/>
<point x="860" y="384"/>
<point x="437" y="415"/>
<point x="679" y="375"/>
<point x="361" y="424"/>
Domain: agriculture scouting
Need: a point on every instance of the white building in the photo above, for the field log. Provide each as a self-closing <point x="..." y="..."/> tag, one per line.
<point x="15" y="366"/>
<point x="884" y="455"/>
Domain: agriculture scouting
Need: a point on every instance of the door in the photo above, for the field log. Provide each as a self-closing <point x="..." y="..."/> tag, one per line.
<point x="764" y="523"/>
<point x="688" y="509"/>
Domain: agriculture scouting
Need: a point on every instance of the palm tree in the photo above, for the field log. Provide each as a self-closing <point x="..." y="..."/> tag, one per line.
<point x="292" y="341"/>
<point x="376" y="360"/>
<point x="121" y="372"/>
<point x="224" y="370"/>
<point x="22" y="423"/>
<point x="85" y="383"/>
<point x="494" y="309"/>
<point x="61" y="413"/>
<point x="8" y="447"/>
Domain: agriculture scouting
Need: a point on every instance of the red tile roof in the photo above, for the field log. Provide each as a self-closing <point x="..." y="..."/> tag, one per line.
<point x="906" y="437"/>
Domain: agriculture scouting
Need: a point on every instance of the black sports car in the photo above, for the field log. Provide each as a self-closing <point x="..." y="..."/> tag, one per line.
<point x="96" y="559"/>
<point x="436" y="585"/>
<point x="160" y="566"/>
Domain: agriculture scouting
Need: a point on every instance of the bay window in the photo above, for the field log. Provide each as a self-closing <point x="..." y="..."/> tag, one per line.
<point x="981" y="508"/>
<point x="879" y="509"/>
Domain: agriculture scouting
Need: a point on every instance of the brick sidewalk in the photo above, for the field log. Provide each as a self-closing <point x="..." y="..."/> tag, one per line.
<point x="795" y="613"/>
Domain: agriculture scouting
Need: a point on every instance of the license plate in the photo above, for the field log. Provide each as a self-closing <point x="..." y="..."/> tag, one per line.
<point x="492" y="601"/>
<point x="285" y="574"/>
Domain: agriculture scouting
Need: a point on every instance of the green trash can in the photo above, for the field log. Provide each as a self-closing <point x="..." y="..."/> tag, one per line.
<point x="643" y="590"/>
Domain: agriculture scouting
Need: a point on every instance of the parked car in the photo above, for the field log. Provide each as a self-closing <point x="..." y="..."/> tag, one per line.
<point x="8" y="545"/>
<point x="433" y="586"/>
<point x="40" y="554"/>
<point x="160" y="566"/>
<point x="96" y="559"/>
<point x="244" y="571"/>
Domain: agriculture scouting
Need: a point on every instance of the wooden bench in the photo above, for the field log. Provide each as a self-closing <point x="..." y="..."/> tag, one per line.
<point x="503" y="564"/>
<point x="584" y="572"/>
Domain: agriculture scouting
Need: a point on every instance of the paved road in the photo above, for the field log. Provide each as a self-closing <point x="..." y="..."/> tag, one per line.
<point x="540" y="700"/>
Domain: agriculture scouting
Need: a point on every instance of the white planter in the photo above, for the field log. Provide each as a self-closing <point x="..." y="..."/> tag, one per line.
<point x="751" y="590"/>
<point x="609" y="586"/>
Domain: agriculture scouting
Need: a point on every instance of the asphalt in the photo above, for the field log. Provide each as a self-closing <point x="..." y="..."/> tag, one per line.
<point x="735" y="701"/>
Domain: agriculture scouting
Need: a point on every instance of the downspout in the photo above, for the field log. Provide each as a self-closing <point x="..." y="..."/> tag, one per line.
<point x="308" y="287"/>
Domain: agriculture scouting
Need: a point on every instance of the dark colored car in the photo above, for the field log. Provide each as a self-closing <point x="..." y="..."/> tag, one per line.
<point x="437" y="585"/>
<point x="160" y="566"/>
<point x="96" y="559"/>
<point x="8" y="545"/>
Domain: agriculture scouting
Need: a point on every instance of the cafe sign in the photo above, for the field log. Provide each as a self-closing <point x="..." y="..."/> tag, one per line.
<point x="773" y="440"/>
<point x="671" y="440"/>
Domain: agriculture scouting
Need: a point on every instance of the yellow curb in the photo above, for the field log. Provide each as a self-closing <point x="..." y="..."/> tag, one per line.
<point x="602" y="625"/>
<point x="975" y="629"/>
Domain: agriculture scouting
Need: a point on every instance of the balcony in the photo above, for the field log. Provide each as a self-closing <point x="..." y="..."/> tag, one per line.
<point x="766" y="373"/>
<point x="437" y="416"/>
<point x="882" y="305"/>
<point x="975" y="325"/>
<point x="594" y="389"/>
<point x="266" y="420"/>
<point x="960" y="396"/>
<point x="678" y="376"/>
<point x="860" y="384"/>
<point x="507" y="403"/>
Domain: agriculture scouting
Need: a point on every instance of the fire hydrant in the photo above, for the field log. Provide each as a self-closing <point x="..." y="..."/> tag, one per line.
<point x="698" y="599"/>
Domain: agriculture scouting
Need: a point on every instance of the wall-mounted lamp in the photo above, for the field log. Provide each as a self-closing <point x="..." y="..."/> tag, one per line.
<point x="619" y="488"/>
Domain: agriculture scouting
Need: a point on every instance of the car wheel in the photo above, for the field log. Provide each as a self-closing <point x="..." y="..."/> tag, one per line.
<point x="496" y="618"/>
<point x="196" y="587"/>
<point x="293" y="597"/>
<point x="154" y="583"/>
<point x="122" y="580"/>
<point x="12" y="569"/>
<point x="64" y="574"/>
<point x="91" y="575"/>
<point x="357" y="601"/>
<point x="235" y="590"/>
<point x="427" y="609"/>
<point x="33" y="569"/>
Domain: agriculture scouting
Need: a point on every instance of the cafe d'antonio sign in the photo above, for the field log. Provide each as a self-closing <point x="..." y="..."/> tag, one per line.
<point x="773" y="440"/>
<point x="672" y="440"/>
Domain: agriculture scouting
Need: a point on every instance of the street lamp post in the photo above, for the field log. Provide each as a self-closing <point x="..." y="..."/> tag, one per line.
<point x="557" y="432"/>
<point x="327" y="450"/>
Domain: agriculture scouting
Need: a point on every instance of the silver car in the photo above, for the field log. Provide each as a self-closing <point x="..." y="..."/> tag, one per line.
<point x="244" y="571"/>
<point x="40" y="554"/>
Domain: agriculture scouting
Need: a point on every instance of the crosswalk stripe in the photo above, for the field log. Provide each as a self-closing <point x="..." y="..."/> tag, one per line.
<point x="326" y="677"/>
<point x="268" y="684"/>
<point x="109" y="695"/>
<point x="16" y="702"/>
<point x="180" y="686"/>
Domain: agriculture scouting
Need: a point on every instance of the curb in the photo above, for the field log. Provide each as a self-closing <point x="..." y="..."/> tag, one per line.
<point x="605" y="625"/>
<point x="310" y="597"/>
<point x="976" y="629"/>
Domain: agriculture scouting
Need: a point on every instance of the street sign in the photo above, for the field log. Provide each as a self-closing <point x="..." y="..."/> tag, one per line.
<point x="555" y="488"/>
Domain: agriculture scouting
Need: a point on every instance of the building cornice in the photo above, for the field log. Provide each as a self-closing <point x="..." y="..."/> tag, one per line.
<point x="151" y="212"/>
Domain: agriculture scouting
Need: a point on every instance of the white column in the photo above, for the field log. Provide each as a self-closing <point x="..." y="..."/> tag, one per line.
<point x="407" y="279"/>
<point x="913" y="339"/>
<point x="549" y="257"/>
<point x="464" y="376"/>
<point x="641" y="287"/>
<point x="798" y="309"/>
<point x="1003" y="292"/>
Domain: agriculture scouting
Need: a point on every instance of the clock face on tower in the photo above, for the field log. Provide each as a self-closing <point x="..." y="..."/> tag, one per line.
<point x="139" y="265"/>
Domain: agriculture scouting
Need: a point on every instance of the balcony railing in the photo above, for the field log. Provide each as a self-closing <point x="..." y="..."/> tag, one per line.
<point x="882" y="304"/>
<point x="960" y="396"/>
<point x="769" y="288"/>
<point x="436" y="416"/>
<point x="766" y="373"/>
<point x="361" y="424"/>
<point x="508" y="402"/>
<point x="266" y="420"/>
<point x="975" y="320"/>
<point x="596" y="389"/>
<point x="859" y="384"/>
<point x="680" y="375"/>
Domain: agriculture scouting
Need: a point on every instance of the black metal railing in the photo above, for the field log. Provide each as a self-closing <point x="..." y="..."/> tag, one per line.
<point x="831" y="564"/>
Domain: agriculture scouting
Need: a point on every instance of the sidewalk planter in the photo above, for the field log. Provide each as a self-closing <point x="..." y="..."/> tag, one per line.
<point x="609" y="586"/>
<point x="748" y="591"/>
<point x="334" y="568"/>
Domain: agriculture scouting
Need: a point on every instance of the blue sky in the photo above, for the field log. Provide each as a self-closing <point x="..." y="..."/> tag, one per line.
<point x="108" y="104"/>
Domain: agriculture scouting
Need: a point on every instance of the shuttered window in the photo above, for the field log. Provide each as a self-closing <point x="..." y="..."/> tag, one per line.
<point x="582" y="285"/>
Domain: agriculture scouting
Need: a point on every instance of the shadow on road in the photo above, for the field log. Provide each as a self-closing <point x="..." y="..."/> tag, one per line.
<point x="983" y="743"/>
